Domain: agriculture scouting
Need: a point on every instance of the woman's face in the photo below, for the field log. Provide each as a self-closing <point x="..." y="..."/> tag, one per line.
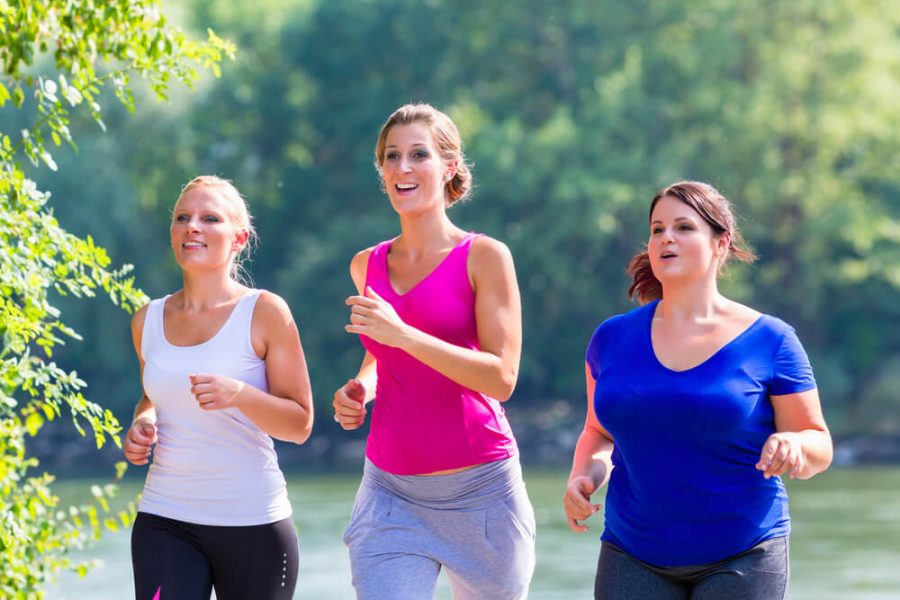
<point x="682" y="245"/>
<point x="412" y="171"/>
<point x="204" y="235"/>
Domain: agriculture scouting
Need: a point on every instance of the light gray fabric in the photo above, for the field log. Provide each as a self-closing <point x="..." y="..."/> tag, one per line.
<point x="477" y="524"/>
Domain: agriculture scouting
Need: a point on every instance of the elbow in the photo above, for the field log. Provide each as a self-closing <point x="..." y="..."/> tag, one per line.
<point x="506" y="385"/>
<point x="306" y="425"/>
<point x="301" y="436"/>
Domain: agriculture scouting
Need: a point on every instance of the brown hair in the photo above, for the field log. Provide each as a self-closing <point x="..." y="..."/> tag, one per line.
<point x="446" y="139"/>
<point x="238" y="213"/>
<point x="714" y="208"/>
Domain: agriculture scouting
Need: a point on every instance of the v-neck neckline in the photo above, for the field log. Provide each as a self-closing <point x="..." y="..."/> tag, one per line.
<point x="419" y="283"/>
<point x="737" y="338"/>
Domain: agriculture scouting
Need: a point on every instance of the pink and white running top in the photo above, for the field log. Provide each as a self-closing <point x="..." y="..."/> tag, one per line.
<point x="422" y="421"/>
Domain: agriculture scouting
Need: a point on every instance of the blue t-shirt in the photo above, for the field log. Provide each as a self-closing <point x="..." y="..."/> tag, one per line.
<point x="684" y="489"/>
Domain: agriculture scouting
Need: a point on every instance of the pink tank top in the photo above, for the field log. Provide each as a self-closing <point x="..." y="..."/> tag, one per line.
<point x="422" y="421"/>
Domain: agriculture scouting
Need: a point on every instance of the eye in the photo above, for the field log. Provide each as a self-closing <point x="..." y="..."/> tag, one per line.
<point x="656" y="230"/>
<point x="392" y="155"/>
<point x="421" y="154"/>
<point x="181" y="218"/>
<point x="685" y="227"/>
<point x="211" y="219"/>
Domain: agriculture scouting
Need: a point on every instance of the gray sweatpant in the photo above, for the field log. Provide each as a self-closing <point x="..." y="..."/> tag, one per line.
<point x="477" y="524"/>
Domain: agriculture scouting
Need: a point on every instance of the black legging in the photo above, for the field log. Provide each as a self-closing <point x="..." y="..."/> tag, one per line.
<point x="184" y="561"/>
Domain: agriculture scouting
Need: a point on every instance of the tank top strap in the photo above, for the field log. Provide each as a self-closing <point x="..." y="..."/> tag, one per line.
<point x="376" y="269"/>
<point x="238" y="329"/>
<point x="466" y="244"/>
<point x="153" y="326"/>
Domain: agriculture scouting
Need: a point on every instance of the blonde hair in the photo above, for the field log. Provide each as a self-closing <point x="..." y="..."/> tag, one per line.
<point x="446" y="139"/>
<point x="237" y="212"/>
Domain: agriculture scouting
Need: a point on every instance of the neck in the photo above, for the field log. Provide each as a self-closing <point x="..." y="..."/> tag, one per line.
<point x="697" y="301"/>
<point x="206" y="290"/>
<point x="426" y="232"/>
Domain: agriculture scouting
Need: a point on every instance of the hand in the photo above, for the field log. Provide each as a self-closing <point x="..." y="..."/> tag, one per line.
<point x="350" y="405"/>
<point x="577" y="502"/>
<point x="215" y="392"/>
<point x="139" y="440"/>
<point x="373" y="316"/>
<point x="781" y="453"/>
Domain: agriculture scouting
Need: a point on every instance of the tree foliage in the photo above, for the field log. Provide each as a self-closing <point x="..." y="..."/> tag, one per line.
<point x="57" y="56"/>
<point x="574" y="112"/>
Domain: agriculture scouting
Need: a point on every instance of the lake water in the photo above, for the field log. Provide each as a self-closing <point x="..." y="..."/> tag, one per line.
<point x="845" y="543"/>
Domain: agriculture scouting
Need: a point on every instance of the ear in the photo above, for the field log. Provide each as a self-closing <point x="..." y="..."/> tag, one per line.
<point x="240" y="240"/>
<point x="450" y="171"/>
<point x="721" y="245"/>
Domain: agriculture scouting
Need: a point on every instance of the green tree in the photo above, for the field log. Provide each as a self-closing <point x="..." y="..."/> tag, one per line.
<point x="574" y="113"/>
<point x="57" y="56"/>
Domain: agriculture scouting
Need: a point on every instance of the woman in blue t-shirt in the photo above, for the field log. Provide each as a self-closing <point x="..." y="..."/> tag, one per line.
<point x="700" y="403"/>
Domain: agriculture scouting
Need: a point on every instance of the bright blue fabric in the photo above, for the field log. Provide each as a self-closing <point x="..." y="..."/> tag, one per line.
<point x="684" y="489"/>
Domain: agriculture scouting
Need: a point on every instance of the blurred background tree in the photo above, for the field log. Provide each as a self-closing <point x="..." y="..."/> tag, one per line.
<point x="574" y="112"/>
<point x="57" y="57"/>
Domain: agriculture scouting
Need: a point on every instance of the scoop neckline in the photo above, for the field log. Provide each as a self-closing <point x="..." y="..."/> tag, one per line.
<point x="737" y="338"/>
<point x="162" y="322"/>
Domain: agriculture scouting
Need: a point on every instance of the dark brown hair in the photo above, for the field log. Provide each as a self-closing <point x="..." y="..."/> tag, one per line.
<point x="446" y="139"/>
<point x="714" y="208"/>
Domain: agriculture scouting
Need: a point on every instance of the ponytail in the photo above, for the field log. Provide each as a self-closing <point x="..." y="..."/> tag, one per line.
<point x="645" y="287"/>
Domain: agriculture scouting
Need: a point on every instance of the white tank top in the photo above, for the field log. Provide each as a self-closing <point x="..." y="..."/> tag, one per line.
<point x="209" y="467"/>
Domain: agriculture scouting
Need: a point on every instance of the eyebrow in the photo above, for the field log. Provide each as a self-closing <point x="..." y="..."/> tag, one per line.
<point x="676" y="220"/>
<point x="413" y="144"/>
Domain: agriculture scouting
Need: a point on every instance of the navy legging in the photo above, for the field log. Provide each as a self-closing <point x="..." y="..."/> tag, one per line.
<point x="174" y="560"/>
<point x="760" y="573"/>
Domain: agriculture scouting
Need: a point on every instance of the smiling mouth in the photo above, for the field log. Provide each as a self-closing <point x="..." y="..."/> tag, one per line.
<point x="405" y="187"/>
<point x="193" y="245"/>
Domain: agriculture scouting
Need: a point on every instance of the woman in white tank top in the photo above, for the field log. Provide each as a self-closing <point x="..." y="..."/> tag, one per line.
<point x="223" y="372"/>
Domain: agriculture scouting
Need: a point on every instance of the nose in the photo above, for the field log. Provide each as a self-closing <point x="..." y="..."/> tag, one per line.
<point x="405" y="165"/>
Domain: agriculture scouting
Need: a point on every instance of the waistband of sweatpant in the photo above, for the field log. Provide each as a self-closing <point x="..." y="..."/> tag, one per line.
<point x="472" y="489"/>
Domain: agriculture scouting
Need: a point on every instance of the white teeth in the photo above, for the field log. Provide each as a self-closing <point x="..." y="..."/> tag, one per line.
<point x="406" y="186"/>
<point x="193" y="245"/>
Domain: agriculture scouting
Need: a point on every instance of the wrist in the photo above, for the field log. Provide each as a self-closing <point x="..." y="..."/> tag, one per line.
<point x="240" y="394"/>
<point x="409" y="338"/>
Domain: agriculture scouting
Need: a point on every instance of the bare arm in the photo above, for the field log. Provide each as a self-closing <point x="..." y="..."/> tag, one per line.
<point x="285" y="411"/>
<point x="350" y="399"/>
<point x="141" y="435"/>
<point x="493" y="369"/>
<point x="802" y="444"/>
<point x="591" y="465"/>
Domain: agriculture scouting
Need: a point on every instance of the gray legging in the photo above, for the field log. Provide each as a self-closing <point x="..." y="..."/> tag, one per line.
<point x="760" y="573"/>
<point x="477" y="524"/>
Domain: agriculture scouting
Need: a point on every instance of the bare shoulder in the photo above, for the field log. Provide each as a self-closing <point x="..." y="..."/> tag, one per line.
<point x="489" y="255"/>
<point x="272" y="310"/>
<point x="137" y="327"/>
<point x="359" y="265"/>
<point x="137" y="320"/>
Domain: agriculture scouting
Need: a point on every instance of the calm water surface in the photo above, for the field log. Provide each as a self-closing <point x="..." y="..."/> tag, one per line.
<point x="845" y="544"/>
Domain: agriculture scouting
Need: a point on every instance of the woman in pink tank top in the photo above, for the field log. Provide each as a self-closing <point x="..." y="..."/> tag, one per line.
<point x="439" y="314"/>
